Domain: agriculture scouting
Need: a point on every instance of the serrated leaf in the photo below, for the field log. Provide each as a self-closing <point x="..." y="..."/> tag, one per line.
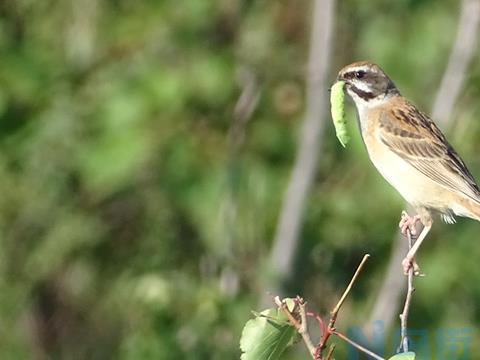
<point x="404" y="356"/>
<point x="267" y="336"/>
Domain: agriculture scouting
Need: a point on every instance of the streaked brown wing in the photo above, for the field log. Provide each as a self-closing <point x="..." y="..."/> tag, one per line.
<point x="419" y="142"/>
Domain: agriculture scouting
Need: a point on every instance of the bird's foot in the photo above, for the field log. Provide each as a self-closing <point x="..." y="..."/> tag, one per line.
<point x="409" y="262"/>
<point x="408" y="222"/>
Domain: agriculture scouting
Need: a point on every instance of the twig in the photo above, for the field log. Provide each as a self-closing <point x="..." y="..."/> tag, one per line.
<point x="300" y="326"/>
<point x="347" y="290"/>
<point x="326" y="331"/>
<point x="330" y="352"/>
<point x="303" y="316"/>
<point x="358" y="346"/>
<point x="321" y="324"/>
<point x="406" y="308"/>
<point x="336" y="309"/>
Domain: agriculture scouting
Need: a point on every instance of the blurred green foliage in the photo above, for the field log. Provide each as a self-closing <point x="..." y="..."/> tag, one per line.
<point x="132" y="227"/>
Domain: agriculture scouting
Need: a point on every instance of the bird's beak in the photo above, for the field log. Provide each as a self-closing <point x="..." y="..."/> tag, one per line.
<point x="340" y="77"/>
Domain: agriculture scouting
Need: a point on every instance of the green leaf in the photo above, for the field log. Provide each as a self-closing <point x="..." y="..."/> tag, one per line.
<point x="266" y="336"/>
<point x="404" y="356"/>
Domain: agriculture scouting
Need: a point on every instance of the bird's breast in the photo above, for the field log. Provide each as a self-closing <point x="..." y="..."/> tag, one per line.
<point x="416" y="188"/>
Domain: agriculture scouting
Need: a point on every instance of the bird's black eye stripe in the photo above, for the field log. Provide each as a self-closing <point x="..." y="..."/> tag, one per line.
<point x="359" y="74"/>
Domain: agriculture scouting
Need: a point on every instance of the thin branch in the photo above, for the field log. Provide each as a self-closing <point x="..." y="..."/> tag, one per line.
<point x="300" y="326"/>
<point x="301" y="179"/>
<point x="463" y="50"/>
<point x="326" y="332"/>
<point x="349" y="287"/>
<point x="303" y="316"/>
<point x="358" y="346"/>
<point x="336" y="309"/>
<point x="330" y="352"/>
<point x="406" y="308"/>
<point x="321" y="324"/>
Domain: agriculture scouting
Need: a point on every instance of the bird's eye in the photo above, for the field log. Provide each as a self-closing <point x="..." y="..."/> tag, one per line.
<point x="359" y="74"/>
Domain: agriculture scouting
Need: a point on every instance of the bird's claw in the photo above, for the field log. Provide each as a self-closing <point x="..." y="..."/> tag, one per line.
<point x="408" y="222"/>
<point x="410" y="262"/>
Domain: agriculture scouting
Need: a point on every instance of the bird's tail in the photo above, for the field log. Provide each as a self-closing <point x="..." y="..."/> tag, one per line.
<point x="470" y="208"/>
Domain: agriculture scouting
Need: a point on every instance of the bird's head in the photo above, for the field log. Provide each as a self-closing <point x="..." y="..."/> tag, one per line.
<point x="366" y="83"/>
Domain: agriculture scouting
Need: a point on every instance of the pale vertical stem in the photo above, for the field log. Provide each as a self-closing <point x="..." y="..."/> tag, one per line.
<point x="290" y="219"/>
<point x="408" y="301"/>
<point x="462" y="53"/>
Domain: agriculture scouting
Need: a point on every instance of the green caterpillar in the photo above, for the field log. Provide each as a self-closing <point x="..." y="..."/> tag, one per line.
<point x="337" y="101"/>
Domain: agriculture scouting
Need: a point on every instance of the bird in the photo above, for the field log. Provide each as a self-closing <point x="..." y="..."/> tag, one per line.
<point x="410" y="152"/>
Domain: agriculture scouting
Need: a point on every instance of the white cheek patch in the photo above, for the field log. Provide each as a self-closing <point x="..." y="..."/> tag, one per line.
<point x="361" y="86"/>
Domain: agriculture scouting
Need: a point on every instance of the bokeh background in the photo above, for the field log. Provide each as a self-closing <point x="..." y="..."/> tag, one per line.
<point x="145" y="151"/>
